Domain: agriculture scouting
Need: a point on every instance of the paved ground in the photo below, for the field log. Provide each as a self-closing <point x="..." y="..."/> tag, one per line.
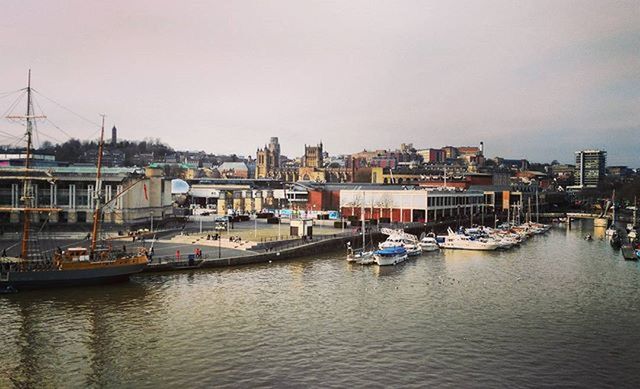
<point x="167" y="246"/>
<point x="257" y="230"/>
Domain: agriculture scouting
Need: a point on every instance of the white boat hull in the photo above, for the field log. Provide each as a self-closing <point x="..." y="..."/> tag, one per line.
<point x="478" y="247"/>
<point x="389" y="260"/>
<point x="429" y="246"/>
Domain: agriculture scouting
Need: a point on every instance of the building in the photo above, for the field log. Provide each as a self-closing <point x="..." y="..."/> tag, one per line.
<point x="384" y="162"/>
<point x="470" y="150"/>
<point x="432" y="155"/>
<point x="274" y="148"/>
<point x="313" y="156"/>
<point x="408" y="176"/>
<point x="450" y="152"/>
<point x="619" y="171"/>
<point x="590" y="168"/>
<point x="234" y="170"/>
<point x="406" y="206"/>
<point x="512" y="164"/>
<point x="130" y="195"/>
<point x="237" y="195"/>
<point x="268" y="160"/>
<point x="312" y="168"/>
<point x="36" y="160"/>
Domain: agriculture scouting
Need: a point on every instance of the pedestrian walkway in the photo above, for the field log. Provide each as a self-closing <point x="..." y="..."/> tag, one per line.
<point x="202" y="240"/>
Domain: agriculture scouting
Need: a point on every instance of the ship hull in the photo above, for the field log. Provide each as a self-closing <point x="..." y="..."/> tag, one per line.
<point x="76" y="277"/>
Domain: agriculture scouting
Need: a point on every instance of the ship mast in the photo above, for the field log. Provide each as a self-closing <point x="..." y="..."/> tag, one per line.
<point x="98" y="193"/>
<point x="27" y="192"/>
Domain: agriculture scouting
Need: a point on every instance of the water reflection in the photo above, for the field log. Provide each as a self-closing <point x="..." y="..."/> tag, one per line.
<point x="59" y="328"/>
<point x="384" y="271"/>
<point x="599" y="232"/>
<point x="442" y="319"/>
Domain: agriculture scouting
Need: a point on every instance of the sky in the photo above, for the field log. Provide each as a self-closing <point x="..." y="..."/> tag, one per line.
<point x="532" y="79"/>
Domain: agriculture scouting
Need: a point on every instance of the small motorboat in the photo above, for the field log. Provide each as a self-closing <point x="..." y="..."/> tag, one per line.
<point x="359" y="256"/>
<point x="399" y="238"/>
<point x="615" y="241"/>
<point x="390" y="256"/>
<point x="429" y="243"/>
<point x="630" y="252"/>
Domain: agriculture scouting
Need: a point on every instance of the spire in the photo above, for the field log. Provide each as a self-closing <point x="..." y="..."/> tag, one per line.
<point x="114" y="135"/>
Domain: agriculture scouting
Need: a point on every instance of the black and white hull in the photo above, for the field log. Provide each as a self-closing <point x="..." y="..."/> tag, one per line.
<point x="36" y="279"/>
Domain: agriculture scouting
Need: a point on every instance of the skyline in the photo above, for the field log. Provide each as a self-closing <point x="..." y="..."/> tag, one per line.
<point x="355" y="75"/>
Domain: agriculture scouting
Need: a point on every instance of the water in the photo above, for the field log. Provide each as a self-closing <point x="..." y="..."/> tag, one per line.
<point x="556" y="311"/>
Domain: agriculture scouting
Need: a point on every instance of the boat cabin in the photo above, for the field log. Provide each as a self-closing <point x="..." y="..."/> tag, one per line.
<point x="77" y="254"/>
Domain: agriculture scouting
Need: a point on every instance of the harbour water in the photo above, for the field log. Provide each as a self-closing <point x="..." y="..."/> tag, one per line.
<point x="557" y="311"/>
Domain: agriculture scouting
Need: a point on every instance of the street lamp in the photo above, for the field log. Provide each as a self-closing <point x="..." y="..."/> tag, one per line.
<point x="219" y="229"/>
<point x="279" y="219"/>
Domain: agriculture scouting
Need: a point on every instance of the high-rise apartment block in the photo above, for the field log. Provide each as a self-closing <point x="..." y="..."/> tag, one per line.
<point x="590" y="168"/>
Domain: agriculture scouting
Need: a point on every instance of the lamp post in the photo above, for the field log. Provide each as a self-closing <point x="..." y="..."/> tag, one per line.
<point x="219" y="229"/>
<point x="279" y="220"/>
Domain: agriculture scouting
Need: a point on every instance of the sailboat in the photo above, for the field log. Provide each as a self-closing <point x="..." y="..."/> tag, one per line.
<point x="360" y="256"/>
<point x="611" y="231"/>
<point x="34" y="268"/>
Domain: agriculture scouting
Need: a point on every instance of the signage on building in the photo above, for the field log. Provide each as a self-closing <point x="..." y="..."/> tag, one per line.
<point x="506" y="195"/>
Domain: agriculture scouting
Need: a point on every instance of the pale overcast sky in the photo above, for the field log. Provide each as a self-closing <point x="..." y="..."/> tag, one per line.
<point x="532" y="79"/>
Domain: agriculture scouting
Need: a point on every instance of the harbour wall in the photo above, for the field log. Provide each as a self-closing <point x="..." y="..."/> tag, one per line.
<point x="302" y="250"/>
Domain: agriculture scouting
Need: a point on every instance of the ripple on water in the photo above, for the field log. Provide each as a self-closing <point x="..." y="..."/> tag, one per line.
<point x="556" y="311"/>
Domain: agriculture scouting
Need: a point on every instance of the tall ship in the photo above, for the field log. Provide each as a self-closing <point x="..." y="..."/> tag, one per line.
<point x="36" y="268"/>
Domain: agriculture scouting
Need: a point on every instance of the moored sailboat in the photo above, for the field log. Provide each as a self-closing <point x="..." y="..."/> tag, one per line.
<point x="34" y="268"/>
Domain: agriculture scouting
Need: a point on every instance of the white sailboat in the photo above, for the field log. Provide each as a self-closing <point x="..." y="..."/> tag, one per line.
<point x="360" y="256"/>
<point x="611" y="230"/>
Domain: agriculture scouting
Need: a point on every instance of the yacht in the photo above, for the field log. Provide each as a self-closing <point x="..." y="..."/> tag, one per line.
<point x="429" y="243"/>
<point x="399" y="238"/>
<point x="390" y="256"/>
<point x="464" y="242"/>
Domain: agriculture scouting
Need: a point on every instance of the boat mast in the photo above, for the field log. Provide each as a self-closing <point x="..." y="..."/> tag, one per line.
<point x="98" y="193"/>
<point x="26" y="190"/>
<point x="537" y="206"/>
<point x="613" y="208"/>
<point x="362" y="222"/>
